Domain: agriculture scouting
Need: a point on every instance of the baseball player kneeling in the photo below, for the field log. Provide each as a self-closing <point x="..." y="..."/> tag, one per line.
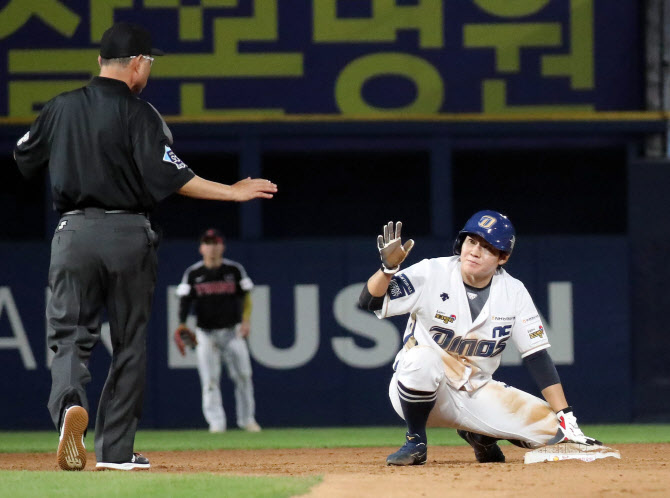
<point x="463" y="311"/>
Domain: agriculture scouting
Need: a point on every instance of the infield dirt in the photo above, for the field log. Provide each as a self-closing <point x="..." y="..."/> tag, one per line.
<point x="644" y="470"/>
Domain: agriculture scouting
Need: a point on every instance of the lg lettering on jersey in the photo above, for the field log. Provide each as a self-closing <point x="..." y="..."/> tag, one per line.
<point x="218" y="287"/>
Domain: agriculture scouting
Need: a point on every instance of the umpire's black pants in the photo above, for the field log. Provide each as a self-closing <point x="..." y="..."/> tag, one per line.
<point x="101" y="260"/>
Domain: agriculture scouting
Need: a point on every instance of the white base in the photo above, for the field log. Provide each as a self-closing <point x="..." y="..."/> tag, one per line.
<point x="122" y="466"/>
<point x="570" y="451"/>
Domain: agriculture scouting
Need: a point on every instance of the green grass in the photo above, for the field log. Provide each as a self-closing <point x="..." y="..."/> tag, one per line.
<point x="147" y="485"/>
<point x="629" y="433"/>
<point x="159" y="485"/>
<point x="352" y="437"/>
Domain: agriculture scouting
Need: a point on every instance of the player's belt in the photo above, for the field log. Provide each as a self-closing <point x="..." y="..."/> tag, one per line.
<point x="216" y="329"/>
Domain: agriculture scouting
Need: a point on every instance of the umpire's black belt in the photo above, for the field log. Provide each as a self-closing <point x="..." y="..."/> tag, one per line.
<point x="101" y="211"/>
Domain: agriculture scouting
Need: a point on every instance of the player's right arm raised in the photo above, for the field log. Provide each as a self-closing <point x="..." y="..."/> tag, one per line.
<point x="392" y="253"/>
<point x="391" y="249"/>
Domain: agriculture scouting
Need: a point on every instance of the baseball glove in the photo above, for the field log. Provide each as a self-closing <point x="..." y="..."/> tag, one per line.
<point x="184" y="338"/>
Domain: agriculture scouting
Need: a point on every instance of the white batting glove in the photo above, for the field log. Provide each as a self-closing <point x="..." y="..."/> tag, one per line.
<point x="571" y="431"/>
<point x="391" y="249"/>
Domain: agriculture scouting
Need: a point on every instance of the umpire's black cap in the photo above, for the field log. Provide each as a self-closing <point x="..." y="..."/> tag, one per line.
<point x="211" y="235"/>
<point x="125" y="39"/>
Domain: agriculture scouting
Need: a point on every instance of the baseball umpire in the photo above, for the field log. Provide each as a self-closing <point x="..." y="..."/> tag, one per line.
<point x="219" y="289"/>
<point x="463" y="311"/>
<point x="110" y="162"/>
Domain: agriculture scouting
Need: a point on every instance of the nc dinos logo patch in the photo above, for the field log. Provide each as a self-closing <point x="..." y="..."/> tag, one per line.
<point x="487" y="221"/>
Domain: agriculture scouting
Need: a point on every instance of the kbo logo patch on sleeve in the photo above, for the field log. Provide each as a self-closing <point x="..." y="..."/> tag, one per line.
<point x="171" y="157"/>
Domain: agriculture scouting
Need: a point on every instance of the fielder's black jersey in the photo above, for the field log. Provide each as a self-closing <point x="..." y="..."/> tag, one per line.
<point x="105" y="148"/>
<point x="218" y="294"/>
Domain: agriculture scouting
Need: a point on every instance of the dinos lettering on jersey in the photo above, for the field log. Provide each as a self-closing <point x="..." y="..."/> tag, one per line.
<point x="444" y="317"/>
<point x="400" y="286"/>
<point x="483" y="348"/>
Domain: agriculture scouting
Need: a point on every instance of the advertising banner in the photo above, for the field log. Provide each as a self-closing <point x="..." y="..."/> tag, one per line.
<point x="317" y="359"/>
<point x="274" y="58"/>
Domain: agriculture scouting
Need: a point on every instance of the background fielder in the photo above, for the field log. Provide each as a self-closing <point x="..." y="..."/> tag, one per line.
<point x="220" y="290"/>
<point x="464" y="310"/>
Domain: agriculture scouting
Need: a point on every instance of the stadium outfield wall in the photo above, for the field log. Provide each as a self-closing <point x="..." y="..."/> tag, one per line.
<point x="317" y="359"/>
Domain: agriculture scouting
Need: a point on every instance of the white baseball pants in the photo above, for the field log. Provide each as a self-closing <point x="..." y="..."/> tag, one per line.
<point x="227" y="347"/>
<point x="495" y="409"/>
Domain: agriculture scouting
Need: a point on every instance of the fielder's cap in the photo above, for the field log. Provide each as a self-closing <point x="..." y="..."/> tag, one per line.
<point x="211" y="235"/>
<point x="125" y="39"/>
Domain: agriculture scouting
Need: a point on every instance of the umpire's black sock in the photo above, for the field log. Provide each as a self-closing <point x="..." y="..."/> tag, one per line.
<point x="416" y="405"/>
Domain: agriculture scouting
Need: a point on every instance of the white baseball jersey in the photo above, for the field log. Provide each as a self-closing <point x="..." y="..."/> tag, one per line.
<point x="432" y="291"/>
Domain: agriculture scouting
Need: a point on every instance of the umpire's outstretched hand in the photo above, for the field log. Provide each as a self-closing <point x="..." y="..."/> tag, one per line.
<point x="249" y="188"/>
<point x="244" y="190"/>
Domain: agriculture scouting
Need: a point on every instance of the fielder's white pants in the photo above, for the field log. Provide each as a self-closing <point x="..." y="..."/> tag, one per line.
<point x="495" y="409"/>
<point x="227" y="347"/>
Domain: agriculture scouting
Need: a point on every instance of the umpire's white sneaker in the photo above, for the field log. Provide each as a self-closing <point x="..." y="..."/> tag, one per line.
<point x="71" y="453"/>
<point x="137" y="462"/>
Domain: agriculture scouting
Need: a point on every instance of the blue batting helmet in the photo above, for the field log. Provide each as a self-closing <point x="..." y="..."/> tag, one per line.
<point x="493" y="227"/>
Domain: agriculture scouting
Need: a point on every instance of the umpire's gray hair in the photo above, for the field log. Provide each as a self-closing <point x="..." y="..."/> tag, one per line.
<point x="121" y="61"/>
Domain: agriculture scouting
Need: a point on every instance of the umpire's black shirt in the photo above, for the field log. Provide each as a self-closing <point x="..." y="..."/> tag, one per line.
<point x="105" y="148"/>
